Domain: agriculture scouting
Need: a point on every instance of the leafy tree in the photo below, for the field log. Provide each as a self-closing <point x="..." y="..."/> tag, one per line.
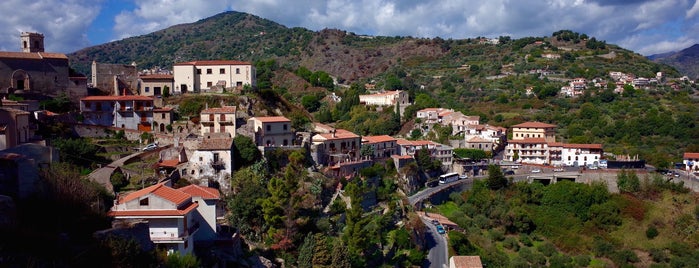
<point x="248" y="186"/>
<point x="305" y="259"/>
<point x="473" y="154"/>
<point x="628" y="182"/>
<point x="245" y="151"/>
<point x="322" y="252"/>
<point x="340" y="256"/>
<point x="118" y="180"/>
<point x="80" y="152"/>
<point x="310" y="102"/>
<point x="182" y="261"/>
<point x="496" y="180"/>
<point x="166" y="91"/>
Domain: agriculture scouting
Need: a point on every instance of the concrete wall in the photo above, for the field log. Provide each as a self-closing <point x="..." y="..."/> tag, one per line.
<point x="47" y="76"/>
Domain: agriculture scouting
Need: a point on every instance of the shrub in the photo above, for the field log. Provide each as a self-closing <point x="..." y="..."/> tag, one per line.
<point x="497" y="234"/>
<point x="547" y="249"/>
<point x="651" y="232"/>
<point x="582" y="260"/>
<point x="658" y="255"/>
<point x="511" y="243"/>
<point x="525" y="240"/>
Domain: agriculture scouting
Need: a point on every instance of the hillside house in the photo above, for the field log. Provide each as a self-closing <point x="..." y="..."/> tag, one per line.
<point x="691" y="161"/>
<point x="440" y="152"/>
<point x="432" y="115"/>
<point x="575" y="155"/>
<point x="272" y="131"/>
<point x="162" y="117"/>
<point x="337" y="146"/>
<point x="155" y="84"/>
<point x="127" y="112"/>
<point x="15" y="127"/>
<point x="387" y="98"/>
<point x="535" y="143"/>
<point x="382" y="146"/>
<point x="218" y="120"/>
<point x="174" y="217"/>
<point x="213" y="76"/>
<point x="213" y="161"/>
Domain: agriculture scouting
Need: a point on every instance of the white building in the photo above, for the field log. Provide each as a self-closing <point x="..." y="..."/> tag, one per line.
<point x="218" y="120"/>
<point x="691" y="161"/>
<point x="438" y="151"/>
<point x="432" y="115"/>
<point x="388" y="98"/>
<point x="213" y="75"/>
<point x="535" y="143"/>
<point x="174" y="218"/>
<point x="213" y="159"/>
<point x="384" y="146"/>
<point x="581" y="154"/>
<point x="272" y="131"/>
<point x="128" y="111"/>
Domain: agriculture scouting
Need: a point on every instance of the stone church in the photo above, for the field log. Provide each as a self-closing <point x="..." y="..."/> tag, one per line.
<point x="37" y="72"/>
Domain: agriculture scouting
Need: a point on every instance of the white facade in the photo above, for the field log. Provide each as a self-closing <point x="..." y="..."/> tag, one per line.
<point x="383" y="146"/>
<point x="581" y="154"/>
<point x="387" y="98"/>
<point x="212" y="160"/>
<point x="204" y="76"/>
<point x="128" y="112"/>
<point x="272" y="131"/>
<point x="218" y="120"/>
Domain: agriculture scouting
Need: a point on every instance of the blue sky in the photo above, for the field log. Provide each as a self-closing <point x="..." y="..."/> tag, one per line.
<point x="645" y="26"/>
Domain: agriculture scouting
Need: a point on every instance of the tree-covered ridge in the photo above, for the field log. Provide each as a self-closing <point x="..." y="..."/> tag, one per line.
<point x="653" y="222"/>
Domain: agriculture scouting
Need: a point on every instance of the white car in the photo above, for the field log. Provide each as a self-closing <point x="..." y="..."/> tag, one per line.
<point x="536" y="170"/>
<point x="558" y="169"/>
<point x="150" y="147"/>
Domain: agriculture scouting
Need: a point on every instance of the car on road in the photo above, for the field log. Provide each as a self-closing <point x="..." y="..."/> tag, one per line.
<point x="558" y="169"/>
<point x="509" y="172"/>
<point x="536" y="170"/>
<point x="150" y="147"/>
<point x="440" y="229"/>
<point x="435" y="222"/>
<point x="463" y="177"/>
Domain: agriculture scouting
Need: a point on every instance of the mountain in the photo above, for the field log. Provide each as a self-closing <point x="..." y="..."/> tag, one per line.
<point x="241" y="36"/>
<point x="686" y="61"/>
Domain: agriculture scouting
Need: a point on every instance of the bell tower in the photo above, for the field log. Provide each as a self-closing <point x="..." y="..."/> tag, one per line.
<point x="32" y="42"/>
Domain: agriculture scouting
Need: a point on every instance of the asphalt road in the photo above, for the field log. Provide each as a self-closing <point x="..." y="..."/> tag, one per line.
<point x="438" y="256"/>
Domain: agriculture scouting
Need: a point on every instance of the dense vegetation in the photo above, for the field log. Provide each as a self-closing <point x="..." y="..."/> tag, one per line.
<point x="566" y="224"/>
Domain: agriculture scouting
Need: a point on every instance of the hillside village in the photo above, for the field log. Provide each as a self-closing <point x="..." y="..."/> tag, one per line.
<point x="189" y="162"/>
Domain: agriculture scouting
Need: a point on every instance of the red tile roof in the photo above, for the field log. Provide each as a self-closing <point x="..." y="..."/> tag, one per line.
<point x="216" y="144"/>
<point x="404" y="142"/>
<point x="32" y="55"/>
<point x="691" y="155"/>
<point x="214" y="62"/>
<point x="272" y="119"/>
<point x="402" y="156"/>
<point x="169" y="163"/>
<point x="203" y="192"/>
<point x="477" y="139"/>
<point x="376" y="139"/>
<point x="221" y="110"/>
<point x="159" y="189"/>
<point x="582" y="146"/>
<point x="156" y="76"/>
<point x="339" y="134"/>
<point x="387" y="93"/>
<point x="467" y="262"/>
<point x="117" y="98"/>
<point x="534" y="125"/>
<point x="153" y="212"/>
<point x="162" y="109"/>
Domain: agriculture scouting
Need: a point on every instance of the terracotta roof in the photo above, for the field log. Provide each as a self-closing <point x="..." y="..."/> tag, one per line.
<point x="221" y="110"/>
<point x="534" y="125"/>
<point x="404" y="142"/>
<point x="153" y="212"/>
<point x="387" y="93"/>
<point x="323" y="128"/>
<point x="203" y="192"/>
<point x="169" y="163"/>
<point x="467" y="261"/>
<point x="162" y="109"/>
<point x="432" y="110"/>
<point x="116" y="98"/>
<point x="582" y="146"/>
<point x="156" y="76"/>
<point x="691" y="155"/>
<point x="216" y="144"/>
<point x="402" y="156"/>
<point x="159" y="189"/>
<point x="528" y="140"/>
<point x="477" y="139"/>
<point x="339" y="134"/>
<point x="32" y="55"/>
<point x="271" y="119"/>
<point x="375" y="139"/>
<point x="214" y="62"/>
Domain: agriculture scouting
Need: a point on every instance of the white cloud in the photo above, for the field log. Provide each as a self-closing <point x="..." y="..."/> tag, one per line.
<point x="63" y="23"/>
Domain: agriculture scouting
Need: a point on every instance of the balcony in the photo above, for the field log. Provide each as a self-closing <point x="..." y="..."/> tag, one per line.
<point x="165" y="236"/>
<point x="218" y="165"/>
<point x="207" y="122"/>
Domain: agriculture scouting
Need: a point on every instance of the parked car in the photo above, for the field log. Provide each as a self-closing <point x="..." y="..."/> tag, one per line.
<point x="440" y="229"/>
<point x="536" y="170"/>
<point x="509" y="172"/>
<point x="558" y="169"/>
<point x="150" y="147"/>
<point x="435" y="222"/>
<point x="463" y="177"/>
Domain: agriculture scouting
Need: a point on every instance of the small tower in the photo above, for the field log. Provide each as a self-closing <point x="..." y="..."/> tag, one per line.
<point x="32" y="42"/>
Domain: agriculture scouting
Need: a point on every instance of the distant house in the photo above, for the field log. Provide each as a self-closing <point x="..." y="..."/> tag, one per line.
<point x="213" y="159"/>
<point x="155" y="84"/>
<point x="116" y="79"/>
<point x="213" y="75"/>
<point x="388" y="98"/>
<point x="581" y="154"/>
<point x="383" y="146"/>
<point x="440" y="152"/>
<point x="15" y="127"/>
<point x="128" y="112"/>
<point x="465" y="262"/>
<point x="272" y="131"/>
<point x="176" y="217"/>
<point x="479" y="143"/>
<point x="218" y="120"/>
<point x="535" y="143"/>
<point x="337" y="146"/>
<point x="432" y="115"/>
<point x="534" y="130"/>
<point x="691" y="161"/>
<point x="162" y="117"/>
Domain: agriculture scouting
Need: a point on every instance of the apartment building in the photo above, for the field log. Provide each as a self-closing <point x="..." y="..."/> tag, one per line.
<point x="213" y="76"/>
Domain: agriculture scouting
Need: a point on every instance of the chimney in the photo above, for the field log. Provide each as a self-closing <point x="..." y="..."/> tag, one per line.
<point x="333" y="132"/>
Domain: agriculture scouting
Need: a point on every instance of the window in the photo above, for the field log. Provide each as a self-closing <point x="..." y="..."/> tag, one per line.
<point x="209" y="84"/>
<point x="269" y="128"/>
<point x="222" y="71"/>
<point x="285" y="126"/>
<point x="198" y="71"/>
<point x="215" y="157"/>
<point x="237" y="70"/>
<point x="147" y="89"/>
<point x="209" y="71"/>
<point x="162" y="116"/>
<point x="143" y="202"/>
<point x="201" y="159"/>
